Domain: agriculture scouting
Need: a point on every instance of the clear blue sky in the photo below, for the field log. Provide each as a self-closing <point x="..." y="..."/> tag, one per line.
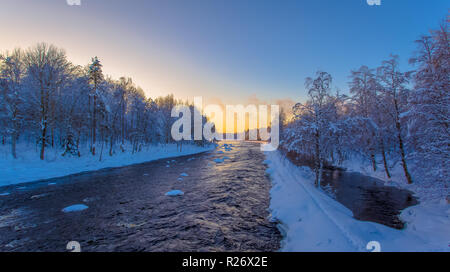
<point x="225" y="49"/>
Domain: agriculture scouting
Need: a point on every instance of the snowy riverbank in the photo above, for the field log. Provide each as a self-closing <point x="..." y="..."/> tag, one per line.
<point x="312" y="221"/>
<point x="28" y="167"/>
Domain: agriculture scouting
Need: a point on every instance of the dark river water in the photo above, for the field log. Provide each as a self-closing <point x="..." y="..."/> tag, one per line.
<point x="224" y="207"/>
<point x="368" y="198"/>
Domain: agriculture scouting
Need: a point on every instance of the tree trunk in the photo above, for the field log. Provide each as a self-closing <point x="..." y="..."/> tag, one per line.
<point x="318" y="161"/>
<point x="13" y="145"/>
<point x="402" y="153"/>
<point x="386" y="167"/>
<point x="101" y="150"/>
<point x="400" y="143"/>
<point x="43" y="140"/>
<point x="53" y="137"/>
<point x="78" y="144"/>
<point x="43" y="120"/>
<point x="374" y="162"/>
<point x="94" y="125"/>
<point x="111" y="146"/>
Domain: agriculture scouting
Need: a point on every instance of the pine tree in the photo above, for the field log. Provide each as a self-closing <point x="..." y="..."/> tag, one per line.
<point x="96" y="77"/>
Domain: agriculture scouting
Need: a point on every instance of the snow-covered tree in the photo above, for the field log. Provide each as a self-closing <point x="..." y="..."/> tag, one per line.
<point x="314" y="122"/>
<point x="96" y="78"/>
<point x="428" y="114"/>
<point x="47" y="70"/>
<point x="12" y="70"/>
<point x="395" y="94"/>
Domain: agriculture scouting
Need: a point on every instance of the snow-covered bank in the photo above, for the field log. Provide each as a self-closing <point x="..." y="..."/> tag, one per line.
<point x="28" y="167"/>
<point x="426" y="189"/>
<point x="312" y="221"/>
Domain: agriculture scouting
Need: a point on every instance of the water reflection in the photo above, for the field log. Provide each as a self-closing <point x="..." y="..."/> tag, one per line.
<point x="368" y="198"/>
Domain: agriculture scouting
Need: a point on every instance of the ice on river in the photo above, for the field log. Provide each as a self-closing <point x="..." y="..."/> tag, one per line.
<point x="75" y="208"/>
<point x="175" y="193"/>
<point x="218" y="160"/>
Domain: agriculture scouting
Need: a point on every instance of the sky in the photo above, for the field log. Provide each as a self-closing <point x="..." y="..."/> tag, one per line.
<point x="228" y="51"/>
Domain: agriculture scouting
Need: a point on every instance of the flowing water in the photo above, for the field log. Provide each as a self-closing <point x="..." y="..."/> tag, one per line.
<point x="368" y="198"/>
<point x="224" y="207"/>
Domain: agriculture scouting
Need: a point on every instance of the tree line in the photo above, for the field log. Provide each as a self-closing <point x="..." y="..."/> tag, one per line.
<point x="389" y="116"/>
<point x="47" y="100"/>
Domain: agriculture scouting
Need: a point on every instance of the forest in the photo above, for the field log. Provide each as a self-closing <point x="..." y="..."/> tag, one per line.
<point x="390" y="118"/>
<point x="48" y="101"/>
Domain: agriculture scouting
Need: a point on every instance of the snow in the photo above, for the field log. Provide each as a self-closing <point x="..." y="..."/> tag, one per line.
<point x="311" y="221"/>
<point x="175" y="193"/>
<point x="28" y="167"/>
<point x="75" y="208"/>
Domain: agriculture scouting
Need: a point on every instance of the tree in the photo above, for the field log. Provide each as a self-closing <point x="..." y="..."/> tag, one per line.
<point x="314" y="115"/>
<point x="96" y="78"/>
<point x="363" y="87"/>
<point x="11" y="73"/>
<point x="429" y="103"/>
<point x="395" y="94"/>
<point x="47" y="68"/>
